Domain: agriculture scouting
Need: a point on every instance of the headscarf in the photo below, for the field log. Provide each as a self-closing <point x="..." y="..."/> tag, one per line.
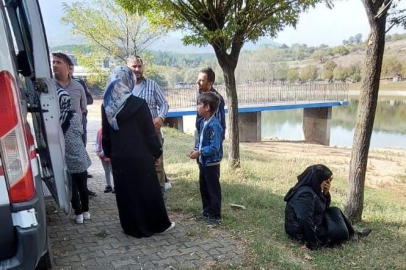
<point x="118" y="88"/>
<point x="65" y="109"/>
<point x="312" y="177"/>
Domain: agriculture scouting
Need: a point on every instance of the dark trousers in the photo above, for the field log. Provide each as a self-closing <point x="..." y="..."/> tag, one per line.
<point x="210" y="190"/>
<point x="80" y="196"/>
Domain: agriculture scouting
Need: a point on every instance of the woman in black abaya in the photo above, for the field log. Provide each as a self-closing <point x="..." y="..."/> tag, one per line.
<point x="130" y="141"/>
<point x="308" y="215"/>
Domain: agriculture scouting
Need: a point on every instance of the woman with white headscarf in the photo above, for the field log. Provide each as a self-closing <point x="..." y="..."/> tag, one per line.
<point x="130" y="141"/>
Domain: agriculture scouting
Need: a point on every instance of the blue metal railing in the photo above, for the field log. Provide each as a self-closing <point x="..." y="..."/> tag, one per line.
<point x="260" y="94"/>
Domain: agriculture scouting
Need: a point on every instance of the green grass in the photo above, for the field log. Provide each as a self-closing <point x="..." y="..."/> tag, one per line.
<point x="260" y="185"/>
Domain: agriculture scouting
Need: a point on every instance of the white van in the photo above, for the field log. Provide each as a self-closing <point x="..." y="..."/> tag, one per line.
<point x="29" y="156"/>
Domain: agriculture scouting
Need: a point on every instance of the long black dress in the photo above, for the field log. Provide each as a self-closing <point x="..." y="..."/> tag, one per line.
<point x="132" y="150"/>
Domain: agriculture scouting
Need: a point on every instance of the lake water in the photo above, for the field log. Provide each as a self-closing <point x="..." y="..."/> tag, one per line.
<point x="389" y="126"/>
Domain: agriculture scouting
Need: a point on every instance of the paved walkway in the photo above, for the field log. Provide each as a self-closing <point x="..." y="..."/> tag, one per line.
<point x="100" y="244"/>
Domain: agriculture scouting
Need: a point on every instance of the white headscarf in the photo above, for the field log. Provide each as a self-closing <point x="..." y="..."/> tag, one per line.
<point x="118" y="88"/>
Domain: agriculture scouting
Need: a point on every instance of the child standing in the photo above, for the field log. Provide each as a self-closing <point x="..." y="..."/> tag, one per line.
<point x="209" y="152"/>
<point x="105" y="162"/>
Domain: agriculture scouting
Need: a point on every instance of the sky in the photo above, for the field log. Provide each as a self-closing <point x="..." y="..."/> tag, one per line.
<point x="319" y="25"/>
<point x="330" y="26"/>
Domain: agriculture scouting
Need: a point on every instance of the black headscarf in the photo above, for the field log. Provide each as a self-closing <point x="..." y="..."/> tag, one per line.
<point x="66" y="113"/>
<point x="312" y="177"/>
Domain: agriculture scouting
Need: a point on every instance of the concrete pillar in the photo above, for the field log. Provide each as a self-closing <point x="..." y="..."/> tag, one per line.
<point x="175" y="122"/>
<point x="249" y="125"/>
<point x="317" y="125"/>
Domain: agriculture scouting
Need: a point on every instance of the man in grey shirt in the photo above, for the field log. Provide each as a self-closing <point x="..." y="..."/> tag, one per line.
<point x="60" y="66"/>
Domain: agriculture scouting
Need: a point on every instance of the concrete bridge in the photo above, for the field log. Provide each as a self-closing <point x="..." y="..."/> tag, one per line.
<point x="316" y="100"/>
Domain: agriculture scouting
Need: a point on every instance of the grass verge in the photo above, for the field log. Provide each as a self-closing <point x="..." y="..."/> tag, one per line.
<point x="260" y="185"/>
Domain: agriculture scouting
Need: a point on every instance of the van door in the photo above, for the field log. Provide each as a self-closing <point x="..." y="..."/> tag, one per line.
<point x="34" y="65"/>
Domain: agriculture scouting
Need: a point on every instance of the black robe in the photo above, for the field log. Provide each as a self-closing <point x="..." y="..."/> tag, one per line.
<point x="133" y="150"/>
<point x="310" y="219"/>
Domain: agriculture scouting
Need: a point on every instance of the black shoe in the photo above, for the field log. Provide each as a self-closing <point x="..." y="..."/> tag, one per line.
<point x="202" y="217"/>
<point x="108" y="189"/>
<point x="89" y="176"/>
<point x="362" y="233"/>
<point x="213" y="222"/>
<point x="91" y="193"/>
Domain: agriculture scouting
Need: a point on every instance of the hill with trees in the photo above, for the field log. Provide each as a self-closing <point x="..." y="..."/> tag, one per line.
<point x="270" y="63"/>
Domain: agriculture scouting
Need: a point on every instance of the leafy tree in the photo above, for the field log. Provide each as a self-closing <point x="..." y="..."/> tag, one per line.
<point x="403" y="70"/>
<point x="226" y="26"/>
<point x="281" y="71"/>
<point x="110" y="29"/>
<point x="319" y="55"/>
<point x="391" y="67"/>
<point x="330" y="65"/>
<point x="327" y="75"/>
<point x="355" y="72"/>
<point x="292" y="75"/>
<point x="377" y="13"/>
<point x="340" y="74"/>
<point x="341" y="50"/>
<point x="309" y="73"/>
<point x="327" y="72"/>
<point x="358" y="38"/>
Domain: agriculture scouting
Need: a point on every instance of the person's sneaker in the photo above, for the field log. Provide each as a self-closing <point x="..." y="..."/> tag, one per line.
<point x="170" y="227"/>
<point x="89" y="175"/>
<point x="86" y="215"/>
<point x="78" y="219"/>
<point x="168" y="185"/>
<point x="362" y="233"/>
<point x="213" y="222"/>
<point x="108" y="189"/>
<point x="91" y="193"/>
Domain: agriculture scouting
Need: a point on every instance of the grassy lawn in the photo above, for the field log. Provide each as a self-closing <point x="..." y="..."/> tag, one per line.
<point x="260" y="186"/>
<point x="384" y="86"/>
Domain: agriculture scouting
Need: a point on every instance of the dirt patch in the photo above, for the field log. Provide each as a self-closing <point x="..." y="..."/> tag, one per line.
<point x="385" y="166"/>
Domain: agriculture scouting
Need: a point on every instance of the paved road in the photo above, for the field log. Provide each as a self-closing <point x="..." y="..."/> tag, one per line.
<point x="100" y="243"/>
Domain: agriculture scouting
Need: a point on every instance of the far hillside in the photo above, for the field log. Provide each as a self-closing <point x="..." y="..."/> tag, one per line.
<point x="274" y="64"/>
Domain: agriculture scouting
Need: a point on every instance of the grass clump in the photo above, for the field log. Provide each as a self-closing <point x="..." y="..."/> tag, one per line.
<point x="260" y="185"/>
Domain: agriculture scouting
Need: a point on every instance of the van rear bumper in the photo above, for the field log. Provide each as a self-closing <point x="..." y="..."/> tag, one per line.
<point x="27" y="250"/>
<point x="31" y="242"/>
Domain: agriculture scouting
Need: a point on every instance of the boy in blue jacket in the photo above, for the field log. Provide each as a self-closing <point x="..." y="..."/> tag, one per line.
<point x="209" y="152"/>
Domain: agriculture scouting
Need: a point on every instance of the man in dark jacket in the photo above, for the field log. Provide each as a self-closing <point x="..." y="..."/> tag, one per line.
<point x="89" y="100"/>
<point x="205" y="81"/>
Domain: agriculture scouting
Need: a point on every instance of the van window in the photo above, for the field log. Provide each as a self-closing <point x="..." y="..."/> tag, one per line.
<point x="20" y="24"/>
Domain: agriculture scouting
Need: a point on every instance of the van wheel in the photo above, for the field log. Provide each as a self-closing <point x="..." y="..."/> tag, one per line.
<point x="46" y="262"/>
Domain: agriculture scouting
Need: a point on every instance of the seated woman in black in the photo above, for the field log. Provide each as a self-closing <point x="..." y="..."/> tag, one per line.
<point x="308" y="215"/>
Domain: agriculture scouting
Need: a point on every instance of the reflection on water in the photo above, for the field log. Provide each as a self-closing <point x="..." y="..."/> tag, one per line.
<point x="389" y="127"/>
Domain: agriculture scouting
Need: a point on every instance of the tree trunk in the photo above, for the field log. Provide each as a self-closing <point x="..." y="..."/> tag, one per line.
<point x="232" y="105"/>
<point x="366" y="110"/>
<point x="228" y="63"/>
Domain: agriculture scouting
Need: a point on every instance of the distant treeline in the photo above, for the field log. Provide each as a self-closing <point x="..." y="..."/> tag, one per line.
<point x="297" y="63"/>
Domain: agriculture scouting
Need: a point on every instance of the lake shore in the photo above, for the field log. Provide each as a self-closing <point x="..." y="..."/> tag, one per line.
<point x="391" y="93"/>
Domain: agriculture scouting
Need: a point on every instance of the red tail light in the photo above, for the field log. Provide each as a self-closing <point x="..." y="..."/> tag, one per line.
<point x="13" y="144"/>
